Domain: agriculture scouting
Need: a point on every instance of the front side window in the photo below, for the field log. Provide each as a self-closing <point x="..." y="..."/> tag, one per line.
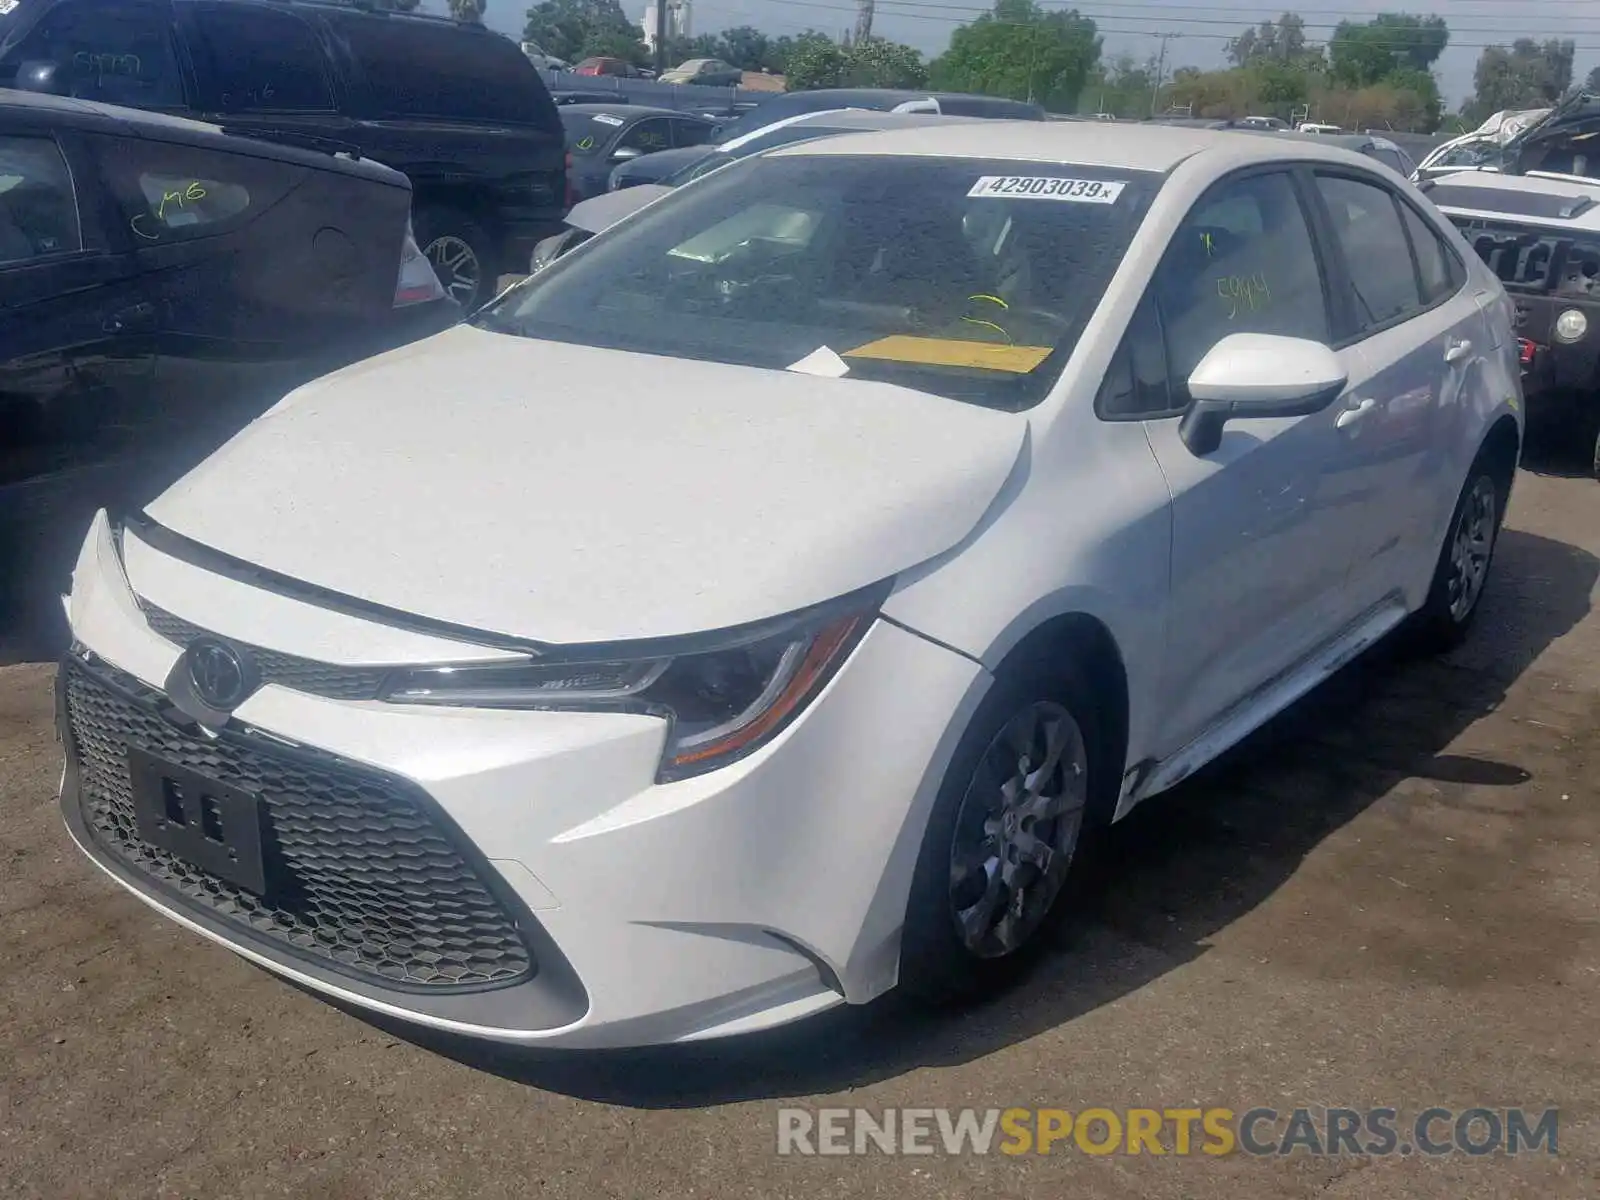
<point x="1366" y="220"/>
<point x="965" y="279"/>
<point x="38" y="211"/>
<point x="648" y="136"/>
<point x="1241" y="262"/>
<point x="114" y="51"/>
<point x="259" y="60"/>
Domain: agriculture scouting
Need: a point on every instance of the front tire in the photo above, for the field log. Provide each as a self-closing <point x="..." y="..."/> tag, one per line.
<point x="1462" y="570"/>
<point x="1006" y="831"/>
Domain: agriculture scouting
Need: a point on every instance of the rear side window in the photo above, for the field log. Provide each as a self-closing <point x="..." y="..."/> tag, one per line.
<point x="257" y="60"/>
<point x="417" y="69"/>
<point x="168" y="193"/>
<point x="1441" y="271"/>
<point x="691" y="133"/>
<point x="114" y="51"/>
<point x="1366" y="219"/>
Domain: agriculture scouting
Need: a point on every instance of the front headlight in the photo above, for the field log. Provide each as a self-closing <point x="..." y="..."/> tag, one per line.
<point x="724" y="696"/>
<point x="1571" y="326"/>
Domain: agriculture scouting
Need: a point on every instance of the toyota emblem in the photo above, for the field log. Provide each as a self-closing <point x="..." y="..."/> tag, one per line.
<point x="222" y="675"/>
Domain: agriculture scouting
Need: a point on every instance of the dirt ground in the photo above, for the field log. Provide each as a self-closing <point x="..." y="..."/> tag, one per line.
<point x="1391" y="897"/>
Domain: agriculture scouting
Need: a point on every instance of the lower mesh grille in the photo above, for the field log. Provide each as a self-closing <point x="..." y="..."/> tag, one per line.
<point x="361" y="875"/>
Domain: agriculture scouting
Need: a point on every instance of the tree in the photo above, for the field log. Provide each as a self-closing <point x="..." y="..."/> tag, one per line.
<point x="744" y="46"/>
<point x="1122" y="88"/>
<point x="814" y="61"/>
<point x="1529" y="74"/>
<point x="574" y="29"/>
<point x="1283" y="40"/>
<point x="468" y="10"/>
<point x="398" y="5"/>
<point x="875" y="62"/>
<point x="1592" y="83"/>
<point x="1021" y="51"/>
<point x="1360" y="55"/>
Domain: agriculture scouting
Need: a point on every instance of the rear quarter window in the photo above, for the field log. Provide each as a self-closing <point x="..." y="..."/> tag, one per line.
<point x="169" y="193"/>
<point x="412" y="69"/>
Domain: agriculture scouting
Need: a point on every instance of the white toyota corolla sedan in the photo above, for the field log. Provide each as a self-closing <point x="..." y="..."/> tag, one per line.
<point x="759" y="608"/>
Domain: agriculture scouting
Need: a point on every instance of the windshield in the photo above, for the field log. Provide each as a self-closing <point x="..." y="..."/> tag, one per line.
<point x="588" y="133"/>
<point x="962" y="278"/>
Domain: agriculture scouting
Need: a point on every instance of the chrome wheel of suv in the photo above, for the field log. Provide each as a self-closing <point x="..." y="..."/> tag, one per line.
<point x="457" y="266"/>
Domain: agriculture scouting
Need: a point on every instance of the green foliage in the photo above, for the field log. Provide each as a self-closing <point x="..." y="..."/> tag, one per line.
<point x="744" y="47"/>
<point x="398" y="5"/>
<point x="468" y="10"/>
<point x="1282" y="41"/>
<point x="877" y="63"/>
<point x="1528" y="74"/>
<point x="1360" y="55"/>
<point x="577" y="29"/>
<point x="814" y="61"/>
<point x="1021" y="51"/>
<point x="1124" y="87"/>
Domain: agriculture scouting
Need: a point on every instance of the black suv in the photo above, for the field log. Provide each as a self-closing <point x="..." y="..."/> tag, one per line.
<point x="457" y="108"/>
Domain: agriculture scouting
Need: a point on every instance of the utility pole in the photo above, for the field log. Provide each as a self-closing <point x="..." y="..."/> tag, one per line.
<point x="1161" y="66"/>
<point x="661" y="37"/>
<point x="863" y="21"/>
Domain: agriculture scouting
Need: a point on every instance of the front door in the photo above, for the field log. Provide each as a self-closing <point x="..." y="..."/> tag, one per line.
<point x="1257" y="559"/>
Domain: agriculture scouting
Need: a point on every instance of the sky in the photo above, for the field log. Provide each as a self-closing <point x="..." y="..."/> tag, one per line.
<point x="1132" y="26"/>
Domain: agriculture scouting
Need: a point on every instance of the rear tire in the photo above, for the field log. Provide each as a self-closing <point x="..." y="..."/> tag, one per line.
<point x="1462" y="570"/>
<point x="462" y="255"/>
<point x="1006" y="837"/>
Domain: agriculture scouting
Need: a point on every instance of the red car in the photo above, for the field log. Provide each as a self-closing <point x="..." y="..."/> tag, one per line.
<point x="608" y="66"/>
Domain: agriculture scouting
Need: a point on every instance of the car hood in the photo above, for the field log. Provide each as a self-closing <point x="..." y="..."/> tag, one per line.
<point x="1578" y="114"/>
<point x="568" y="494"/>
<point x="600" y="213"/>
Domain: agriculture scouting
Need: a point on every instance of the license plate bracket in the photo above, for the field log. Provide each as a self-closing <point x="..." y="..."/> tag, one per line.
<point x="207" y="823"/>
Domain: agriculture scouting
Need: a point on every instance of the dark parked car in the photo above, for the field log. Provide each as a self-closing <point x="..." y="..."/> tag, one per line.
<point x="160" y="283"/>
<point x="658" y="167"/>
<point x="457" y="108"/>
<point x="600" y="136"/>
<point x="955" y="104"/>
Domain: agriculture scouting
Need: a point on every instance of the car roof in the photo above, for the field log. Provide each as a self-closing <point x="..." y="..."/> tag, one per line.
<point x="1142" y="147"/>
<point x="625" y="110"/>
<point x="69" y="112"/>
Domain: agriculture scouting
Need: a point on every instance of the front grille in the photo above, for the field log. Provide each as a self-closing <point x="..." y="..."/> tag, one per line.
<point x="360" y="875"/>
<point x="286" y="670"/>
<point x="1533" y="260"/>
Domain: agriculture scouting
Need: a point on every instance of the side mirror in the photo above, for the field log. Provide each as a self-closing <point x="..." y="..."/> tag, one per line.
<point x="1257" y="375"/>
<point x="41" y="75"/>
<point x="625" y="154"/>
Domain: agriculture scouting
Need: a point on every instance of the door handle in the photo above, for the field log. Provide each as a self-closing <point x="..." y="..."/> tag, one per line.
<point x="1356" y="410"/>
<point x="1457" y="351"/>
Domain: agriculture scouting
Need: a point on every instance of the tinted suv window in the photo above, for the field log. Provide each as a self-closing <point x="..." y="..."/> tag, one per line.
<point x="116" y="51"/>
<point x="1437" y="264"/>
<point x="1242" y="262"/>
<point x="1366" y="219"/>
<point x="425" y="69"/>
<point x="38" y="213"/>
<point x="256" y="59"/>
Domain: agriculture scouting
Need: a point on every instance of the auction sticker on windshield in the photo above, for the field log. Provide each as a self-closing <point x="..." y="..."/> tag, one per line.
<point x="1044" y="187"/>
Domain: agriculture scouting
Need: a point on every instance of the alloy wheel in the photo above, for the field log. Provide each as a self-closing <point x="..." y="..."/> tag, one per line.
<point x="1471" y="544"/>
<point x="457" y="267"/>
<point x="1017" y="829"/>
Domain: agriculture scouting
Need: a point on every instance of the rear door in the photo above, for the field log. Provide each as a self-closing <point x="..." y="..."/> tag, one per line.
<point x="1413" y="328"/>
<point x="262" y="69"/>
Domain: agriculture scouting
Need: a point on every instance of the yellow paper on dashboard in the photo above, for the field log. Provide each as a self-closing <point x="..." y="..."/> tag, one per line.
<point x="952" y="352"/>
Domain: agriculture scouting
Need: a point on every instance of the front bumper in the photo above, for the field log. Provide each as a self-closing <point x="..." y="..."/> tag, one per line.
<point x="1557" y="367"/>
<point x="752" y="896"/>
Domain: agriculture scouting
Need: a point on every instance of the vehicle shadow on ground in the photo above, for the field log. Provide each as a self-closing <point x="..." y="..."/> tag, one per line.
<point x="1180" y="869"/>
<point x="1562" y="446"/>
